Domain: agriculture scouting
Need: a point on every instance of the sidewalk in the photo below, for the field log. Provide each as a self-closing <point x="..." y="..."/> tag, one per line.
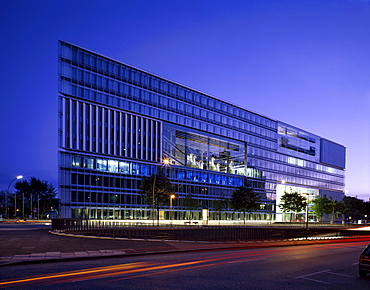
<point x="24" y="243"/>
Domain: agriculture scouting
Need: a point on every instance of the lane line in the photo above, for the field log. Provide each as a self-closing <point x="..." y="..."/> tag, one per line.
<point x="319" y="281"/>
<point x="311" y="274"/>
<point x="340" y="274"/>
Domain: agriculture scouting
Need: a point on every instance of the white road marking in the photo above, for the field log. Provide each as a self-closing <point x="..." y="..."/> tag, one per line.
<point x="340" y="274"/>
<point x="312" y="274"/>
<point x="318" y="281"/>
<point x="321" y="272"/>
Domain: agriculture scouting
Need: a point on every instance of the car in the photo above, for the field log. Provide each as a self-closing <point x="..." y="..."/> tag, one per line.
<point x="364" y="262"/>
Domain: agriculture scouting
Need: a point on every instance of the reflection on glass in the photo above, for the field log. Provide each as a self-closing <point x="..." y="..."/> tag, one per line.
<point x="203" y="152"/>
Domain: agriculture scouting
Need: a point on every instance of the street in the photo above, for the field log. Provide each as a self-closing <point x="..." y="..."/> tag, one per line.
<point x="321" y="266"/>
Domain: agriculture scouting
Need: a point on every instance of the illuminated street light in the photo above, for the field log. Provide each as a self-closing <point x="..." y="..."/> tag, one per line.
<point x="172" y="196"/>
<point x="15" y="199"/>
<point x="153" y="215"/>
<point x="308" y="195"/>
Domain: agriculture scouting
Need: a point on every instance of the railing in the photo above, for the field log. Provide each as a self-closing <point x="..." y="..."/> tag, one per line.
<point x="116" y="229"/>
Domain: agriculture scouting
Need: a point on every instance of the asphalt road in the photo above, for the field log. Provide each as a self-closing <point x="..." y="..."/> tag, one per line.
<point x="321" y="266"/>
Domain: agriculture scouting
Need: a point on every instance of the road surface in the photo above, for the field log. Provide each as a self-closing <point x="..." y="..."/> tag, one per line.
<point x="320" y="266"/>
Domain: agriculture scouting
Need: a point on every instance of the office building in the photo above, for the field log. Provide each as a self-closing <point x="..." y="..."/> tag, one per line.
<point x="118" y="123"/>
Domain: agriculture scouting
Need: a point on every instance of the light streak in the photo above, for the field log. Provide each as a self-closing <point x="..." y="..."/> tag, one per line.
<point x="116" y="271"/>
<point x="141" y="269"/>
<point x="151" y="268"/>
<point x="124" y="269"/>
<point x="73" y="273"/>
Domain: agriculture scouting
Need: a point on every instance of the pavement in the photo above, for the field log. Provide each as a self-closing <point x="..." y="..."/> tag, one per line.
<point x="22" y="243"/>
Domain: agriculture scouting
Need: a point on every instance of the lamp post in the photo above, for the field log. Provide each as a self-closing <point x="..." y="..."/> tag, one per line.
<point x="153" y="215"/>
<point x="38" y="206"/>
<point x="172" y="196"/>
<point x="308" y="195"/>
<point x="280" y="215"/>
<point x="15" y="199"/>
<point x="23" y="205"/>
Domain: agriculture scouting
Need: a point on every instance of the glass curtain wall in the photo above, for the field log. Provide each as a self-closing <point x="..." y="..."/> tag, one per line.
<point x="120" y="120"/>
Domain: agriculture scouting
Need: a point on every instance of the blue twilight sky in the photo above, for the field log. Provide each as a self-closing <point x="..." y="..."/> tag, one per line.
<point x="303" y="62"/>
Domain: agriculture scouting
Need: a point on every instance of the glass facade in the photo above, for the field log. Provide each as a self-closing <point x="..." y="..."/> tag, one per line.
<point x="117" y="123"/>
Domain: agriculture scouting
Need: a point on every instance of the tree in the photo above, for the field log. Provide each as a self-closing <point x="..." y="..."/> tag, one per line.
<point x="3" y="201"/>
<point x="219" y="205"/>
<point x="367" y="210"/>
<point x="162" y="187"/>
<point x="292" y="202"/>
<point x="335" y="207"/>
<point x="190" y="203"/>
<point x="353" y="208"/>
<point x="35" y="196"/>
<point x="245" y="199"/>
<point x="321" y="206"/>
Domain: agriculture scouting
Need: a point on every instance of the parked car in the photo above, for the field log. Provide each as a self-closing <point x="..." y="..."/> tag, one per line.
<point x="364" y="262"/>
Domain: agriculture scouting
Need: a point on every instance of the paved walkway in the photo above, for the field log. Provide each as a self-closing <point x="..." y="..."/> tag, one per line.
<point x="33" y="242"/>
<point x="27" y="243"/>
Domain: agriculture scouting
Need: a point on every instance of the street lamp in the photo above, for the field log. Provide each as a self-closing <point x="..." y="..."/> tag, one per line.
<point x="172" y="196"/>
<point x="153" y="215"/>
<point x="308" y="195"/>
<point x="281" y="186"/>
<point x="15" y="199"/>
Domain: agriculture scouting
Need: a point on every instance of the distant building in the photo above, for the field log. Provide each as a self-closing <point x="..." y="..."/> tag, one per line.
<point x="118" y="123"/>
